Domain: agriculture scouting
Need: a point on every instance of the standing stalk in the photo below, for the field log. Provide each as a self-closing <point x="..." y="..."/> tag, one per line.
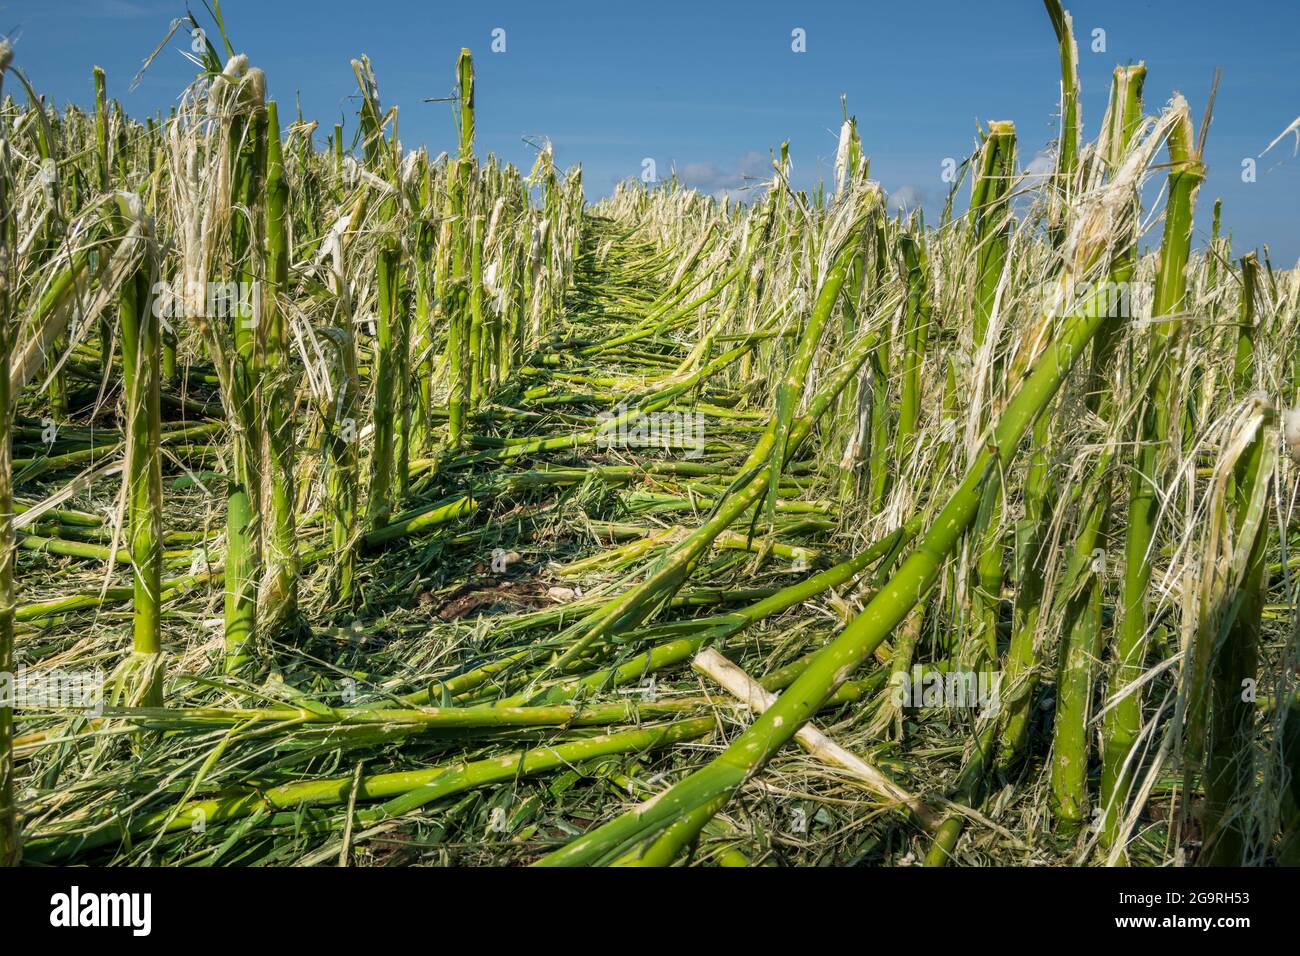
<point x="102" y="180"/>
<point x="464" y="247"/>
<point x="141" y="372"/>
<point x="1229" y="765"/>
<point x="243" y="532"/>
<point x="991" y="228"/>
<point x="477" y="337"/>
<point x="342" y="438"/>
<point x="1080" y="646"/>
<point x="1067" y="151"/>
<point x="1082" y="640"/>
<point x="381" y="157"/>
<point x="379" y="501"/>
<point x="460" y="361"/>
<point x="452" y="305"/>
<point x="279" y="591"/>
<point x="879" y="470"/>
<point x="1120" y="731"/>
<point x="423" y="331"/>
<point x="916" y="327"/>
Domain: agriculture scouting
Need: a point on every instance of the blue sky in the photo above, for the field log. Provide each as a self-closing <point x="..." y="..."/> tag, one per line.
<point x="710" y="87"/>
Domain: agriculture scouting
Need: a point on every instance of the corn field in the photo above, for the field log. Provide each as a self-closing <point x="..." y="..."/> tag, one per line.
<point x="361" y="505"/>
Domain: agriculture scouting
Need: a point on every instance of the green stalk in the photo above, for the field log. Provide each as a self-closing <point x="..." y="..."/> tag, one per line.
<point x="423" y="332"/>
<point x="1081" y="640"/>
<point x="381" y="157"/>
<point x="849" y="424"/>
<point x="279" y="589"/>
<point x="1067" y="153"/>
<point x="101" y="130"/>
<point x="103" y="181"/>
<point x="1020" y="666"/>
<point x="916" y="327"/>
<point x="1119" y="733"/>
<point x="1197" y="407"/>
<point x="427" y="518"/>
<point x="446" y="275"/>
<point x="141" y="375"/>
<point x="991" y="218"/>
<point x="1122" y="120"/>
<point x="432" y="721"/>
<point x="991" y="229"/>
<point x="970" y="785"/>
<point x="402" y="432"/>
<point x="1080" y="646"/>
<point x="1229" y="766"/>
<point x="57" y="390"/>
<point x="459" y="178"/>
<point x="341" y="444"/>
<point x="879" y="471"/>
<point x="477" y="338"/>
<point x="382" y="466"/>
<point x="243" y="537"/>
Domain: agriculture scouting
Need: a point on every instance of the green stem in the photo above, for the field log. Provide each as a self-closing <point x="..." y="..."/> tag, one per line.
<point x="1229" y="767"/>
<point x="279" y="591"/>
<point x="1120" y="730"/>
<point x="141" y="374"/>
